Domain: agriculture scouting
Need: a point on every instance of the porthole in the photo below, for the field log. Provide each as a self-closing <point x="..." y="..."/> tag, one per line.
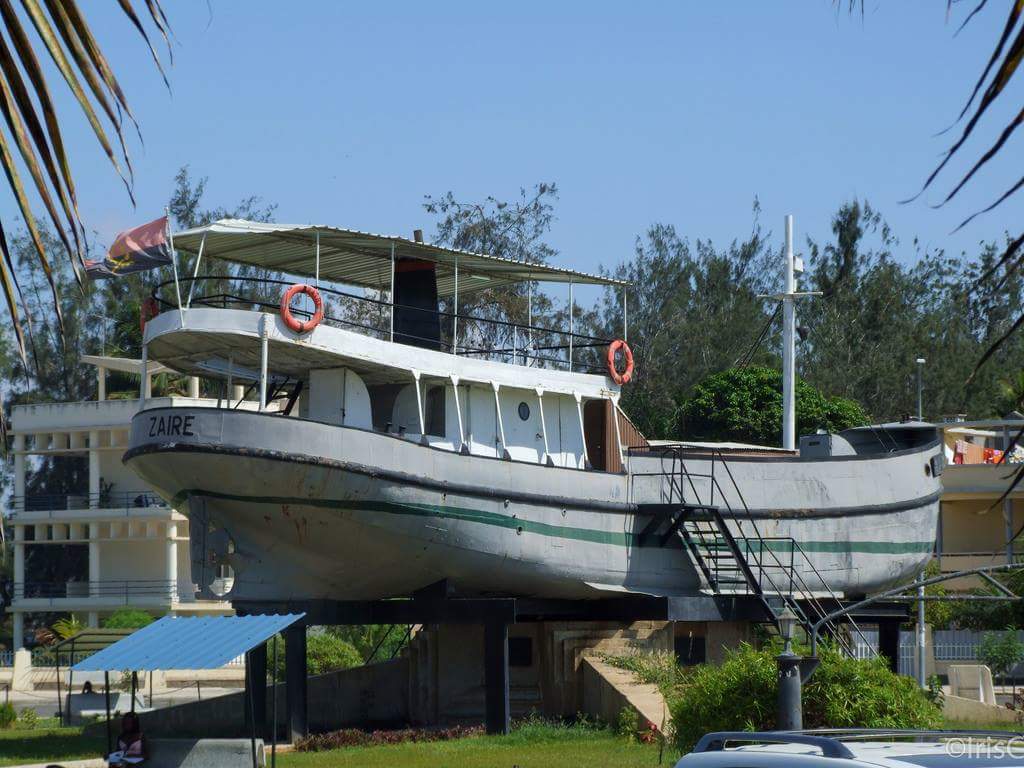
<point x="927" y="470"/>
<point x="524" y="411"/>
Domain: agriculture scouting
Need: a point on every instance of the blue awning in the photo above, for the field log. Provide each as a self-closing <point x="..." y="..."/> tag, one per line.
<point x="175" y="642"/>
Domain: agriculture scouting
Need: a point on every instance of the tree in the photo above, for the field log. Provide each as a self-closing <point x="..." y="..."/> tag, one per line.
<point x="325" y="652"/>
<point x="745" y="404"/>
<point x="693" y="311"/>
<point x="64" y="34"/>
<point x="510" y="230"/>
<point x="127" y="618"/>
<point x="1001" y="652"/>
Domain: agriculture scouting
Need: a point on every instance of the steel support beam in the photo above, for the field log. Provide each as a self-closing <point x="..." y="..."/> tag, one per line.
<point x="497" y="719"/>
<point x="257" y="669"/>
<point x="296" y="678"/>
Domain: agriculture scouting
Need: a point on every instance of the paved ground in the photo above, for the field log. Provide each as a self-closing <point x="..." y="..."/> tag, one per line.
<point x="45" y="702"/>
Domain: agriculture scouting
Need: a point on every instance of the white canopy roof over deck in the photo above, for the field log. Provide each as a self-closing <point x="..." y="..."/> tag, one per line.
<point x="361" y="258"/>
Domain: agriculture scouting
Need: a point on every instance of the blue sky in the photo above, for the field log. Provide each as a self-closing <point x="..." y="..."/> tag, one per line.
<point x="677" y="112"/>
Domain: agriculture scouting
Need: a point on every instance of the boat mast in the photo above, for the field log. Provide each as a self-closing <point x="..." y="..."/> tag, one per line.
<point x="789" y="343"/>
<point x="793" y="266"/>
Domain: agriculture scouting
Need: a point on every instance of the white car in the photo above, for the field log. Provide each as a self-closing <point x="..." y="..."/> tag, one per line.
<point x="857" y="748"/>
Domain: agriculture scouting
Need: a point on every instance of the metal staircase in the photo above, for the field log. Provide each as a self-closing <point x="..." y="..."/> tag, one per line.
<point x="725" y="543"/>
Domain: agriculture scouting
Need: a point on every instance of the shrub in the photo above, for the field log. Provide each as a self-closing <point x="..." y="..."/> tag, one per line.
<point x="7" y="715"/>
<point x="28" y="720"/>
<point x="659" y="668"/>
<point x="353" y="737"/>
<point x="127" y="618"/>
<point x="740" y="693"/>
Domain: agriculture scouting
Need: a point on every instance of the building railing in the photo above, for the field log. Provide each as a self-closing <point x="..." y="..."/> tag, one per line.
<point x="124" y="501"/>
<point x="124" y="592"/>
<point x="460" y="333"/>
<point x="6" y="658"/>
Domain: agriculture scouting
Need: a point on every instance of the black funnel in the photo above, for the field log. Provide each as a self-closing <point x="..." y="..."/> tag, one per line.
<point x="417" y="322"/>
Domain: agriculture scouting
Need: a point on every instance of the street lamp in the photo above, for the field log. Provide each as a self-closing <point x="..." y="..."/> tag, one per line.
<point x="788" y="704"/>
<point x="920" y="366"/>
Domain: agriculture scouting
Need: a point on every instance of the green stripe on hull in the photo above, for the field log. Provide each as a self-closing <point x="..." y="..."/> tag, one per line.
<point x="614" y="538"/>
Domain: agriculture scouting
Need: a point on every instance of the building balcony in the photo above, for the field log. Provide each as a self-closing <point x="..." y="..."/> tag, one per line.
<point x="73" y="507"/>
<point x="97" y="595"/>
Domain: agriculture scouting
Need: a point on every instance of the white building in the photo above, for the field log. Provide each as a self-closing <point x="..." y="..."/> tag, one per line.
<point x="123" y="546"/>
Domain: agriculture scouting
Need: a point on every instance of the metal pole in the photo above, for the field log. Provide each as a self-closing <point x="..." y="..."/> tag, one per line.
<point x="250" y="686"/>
<point x="317" y="278"/>
<point x="174" y="266"/>
<point x="570" y="325"/>
<point x="143" y="376"/>
<point x="264" y="334"/>
<point x="455" y="318"/>
<point x="106" y="696"/>
<point x="195" y="272"/>
<point x="922" y="676"/>
<point x="231" y="365"/>
<point x="273" y="708"/>
<point x="392" y="294"/>
<point x="788" y="345"/>
<point x="625" y="316"/>
<point x="528" y="353"/>
<point x="920" y="409"/>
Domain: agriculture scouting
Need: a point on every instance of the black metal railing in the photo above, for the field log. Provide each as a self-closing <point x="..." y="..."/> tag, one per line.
<point x="758" y="554"/>
<point x="106" y="500"/>
<point x="114" y="590"/>
<point x="460" y="333"/>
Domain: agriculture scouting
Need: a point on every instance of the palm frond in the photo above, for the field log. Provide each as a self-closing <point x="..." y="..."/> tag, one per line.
<point x="53" y="47"/>
<point x="126" y="6"/>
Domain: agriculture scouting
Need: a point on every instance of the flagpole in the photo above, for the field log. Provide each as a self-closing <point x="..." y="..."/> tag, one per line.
<point x="174" y="265"/>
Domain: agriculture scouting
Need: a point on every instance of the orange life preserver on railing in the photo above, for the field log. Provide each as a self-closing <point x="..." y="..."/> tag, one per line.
<point x="626" y="375"/>
<point x="302" y="326"/>
<point x="148" y="309"/>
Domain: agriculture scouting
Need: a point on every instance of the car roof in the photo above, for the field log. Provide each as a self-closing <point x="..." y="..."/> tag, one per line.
<point x="930" y="749"/>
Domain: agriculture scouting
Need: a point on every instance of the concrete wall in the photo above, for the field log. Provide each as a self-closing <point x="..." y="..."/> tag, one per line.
<point x="375" y="694"/>
<point x="608" y="690"/>
<point x="446" y="680"/>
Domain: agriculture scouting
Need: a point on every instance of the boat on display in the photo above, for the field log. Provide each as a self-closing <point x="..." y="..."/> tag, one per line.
<point x="402" y="438"/>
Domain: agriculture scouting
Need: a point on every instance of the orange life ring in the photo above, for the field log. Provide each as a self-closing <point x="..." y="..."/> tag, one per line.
<point x="626" y="375"/>
<point x="148" y="309"/>
<point x="302" y="326"/>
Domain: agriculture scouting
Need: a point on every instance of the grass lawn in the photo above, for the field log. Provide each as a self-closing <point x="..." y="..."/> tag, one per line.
<point x="41" y="745"/>
<point x="531" y="747"/>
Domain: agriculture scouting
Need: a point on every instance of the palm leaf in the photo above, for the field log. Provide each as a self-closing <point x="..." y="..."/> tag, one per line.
<point x="126" y="6"/>
<point x="7" y="160"/>
<point x="45" y="32"/>
<point x="9" y="283"/>
<point x="1011" y="22"/>
<point x="993" y="347"/>
<point x="9" y="69"/>
<point x="85" y="67"/>
<point x="17" y="128"/>
<point x="30" y="64"/>
<point x="156" y="12"/>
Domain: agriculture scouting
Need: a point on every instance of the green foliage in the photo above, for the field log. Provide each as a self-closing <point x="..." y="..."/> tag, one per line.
<point x="69" y="627"/>
<point x="325" y="652"/>
<point x="745" y="404"/>
<point x="628" y="723"/>
<point x="28" y="720"/>
<point x="1001" y="651"/>
<point x="659" y="668"/>
<point x="386" y="639"/>
<point x="937" y="613"/>
<point x="127" y="618"/>
<point x="739" y="694"/>
<point x="7" y="715"/>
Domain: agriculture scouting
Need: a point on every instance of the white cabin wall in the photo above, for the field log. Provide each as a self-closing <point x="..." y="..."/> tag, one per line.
<point x="523" y="443"/>
<point x="335" y="390"/>
<point x="565" y="439"/>
<point x="481" y="421"/>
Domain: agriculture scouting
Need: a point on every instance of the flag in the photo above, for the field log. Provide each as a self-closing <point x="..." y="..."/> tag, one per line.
<point x="135" y="250"/>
